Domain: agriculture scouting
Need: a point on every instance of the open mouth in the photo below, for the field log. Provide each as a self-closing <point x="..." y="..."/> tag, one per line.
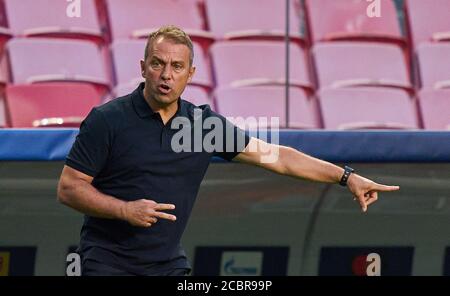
<point x="163" y="88"/>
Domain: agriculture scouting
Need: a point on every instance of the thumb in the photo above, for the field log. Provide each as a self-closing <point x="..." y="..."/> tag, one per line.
<point x="362" y="203"/>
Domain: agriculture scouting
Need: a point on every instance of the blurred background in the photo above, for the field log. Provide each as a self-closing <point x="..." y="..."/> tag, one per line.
<point x="359" y="82"/>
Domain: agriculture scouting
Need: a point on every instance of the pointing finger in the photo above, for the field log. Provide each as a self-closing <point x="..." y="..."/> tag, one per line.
<point x="385" y="188"/>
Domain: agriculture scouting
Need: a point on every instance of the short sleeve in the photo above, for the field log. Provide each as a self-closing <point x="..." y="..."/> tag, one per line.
<point x="92" y="146"/>
<point x="234" y="140"/>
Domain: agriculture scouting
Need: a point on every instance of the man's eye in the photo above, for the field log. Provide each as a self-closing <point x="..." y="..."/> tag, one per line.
<point x="177" y="67"/>
<point x="155" y="64"/>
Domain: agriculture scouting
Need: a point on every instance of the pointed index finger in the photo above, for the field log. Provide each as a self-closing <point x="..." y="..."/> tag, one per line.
<point x="386" y="188"/>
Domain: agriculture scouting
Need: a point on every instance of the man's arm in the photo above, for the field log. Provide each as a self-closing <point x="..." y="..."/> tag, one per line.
<point x="76" y="191"/>
<point x="288" y="161"/>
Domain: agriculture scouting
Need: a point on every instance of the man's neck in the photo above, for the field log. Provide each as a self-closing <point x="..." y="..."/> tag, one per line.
<point x="166" y="111"/>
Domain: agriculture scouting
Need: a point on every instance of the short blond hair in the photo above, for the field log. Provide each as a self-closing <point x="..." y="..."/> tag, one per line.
<point x="173" y="33"/>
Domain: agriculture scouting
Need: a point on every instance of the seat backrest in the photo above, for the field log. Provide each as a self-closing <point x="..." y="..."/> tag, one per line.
<point x="244" y="15"/>
<point x="251" y="103"/>
<point x="435" y="108"/>
<point x="28" y="103"/>
<point x="127" y="18"/>
<point x="360" y="63"/>
<point x="434" y="65"/>
<point x="428" y="20"/>
<point x="47" y="17"/>
<point x="349" y="19"/>
<point x="197" y="96"/>
<point x="367" y="108"/>
<point x="236" y="61"/>
<point x="45" y="59"/>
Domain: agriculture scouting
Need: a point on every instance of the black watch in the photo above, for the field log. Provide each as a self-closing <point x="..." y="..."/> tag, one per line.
<point x="347" y="171"/>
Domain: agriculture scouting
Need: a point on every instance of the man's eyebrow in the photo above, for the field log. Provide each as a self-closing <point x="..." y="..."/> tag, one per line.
<point x="160" y="60"/>
<point x="157" y="59"/>
<point x="178" y="62"/>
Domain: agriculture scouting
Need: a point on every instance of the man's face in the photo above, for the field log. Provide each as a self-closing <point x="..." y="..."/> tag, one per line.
<point x="166" y="70"/>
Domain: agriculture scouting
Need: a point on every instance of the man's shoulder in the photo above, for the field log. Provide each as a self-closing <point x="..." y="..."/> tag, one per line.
<point x="115" y="108"/>
<point x="193" y="109"/>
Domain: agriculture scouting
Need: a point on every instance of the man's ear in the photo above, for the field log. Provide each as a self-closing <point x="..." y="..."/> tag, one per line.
<point x="191" y="73"/>
<point x="142" y="62"/>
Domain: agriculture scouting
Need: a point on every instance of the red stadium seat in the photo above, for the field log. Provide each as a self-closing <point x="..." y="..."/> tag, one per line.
<point x="434" y="65"/>
<point x="127" y="54"/>
<point x="250" y="19"/>
<point x="35" y="60"/>
<point x="267" y="101"/>
<point x="50" y="104"/>
<point x="349" y="20"/>
<point x="31" y="18"/>
<point x="197" y="96"/>
<point x="122" y="90"/>
<point x="428" y="20"/>
<point x="138" y="18"/>
<point x="435" y="108"/>
<point x="244" y="63"/>
<point x="367" y="108"/>
<point x="343" y="64"/>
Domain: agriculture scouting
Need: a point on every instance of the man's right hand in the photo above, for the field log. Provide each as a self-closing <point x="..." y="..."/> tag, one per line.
<point x="145" y="213"/>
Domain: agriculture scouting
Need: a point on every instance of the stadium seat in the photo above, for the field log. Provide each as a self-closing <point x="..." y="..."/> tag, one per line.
<point x="349" y="20"/>
<point x="267" y="101"/>
<point x="138" y="18"/>
<point x="35" y="60"/>
<point x="434" y="65"/>
<point x="123" y="89"/>
<point x="435" y="108"/>
<point x="50" y="104"/>
<point x="343" y="64"/>
<point x="127" y="54"/>
<point x="44" y="18"/>
<point x="367" y="108"/>
<point x="254" y="19"/>
<point x="244" y="63"/>
<point x="197" y="96"/>
<point x="428" y="20"/>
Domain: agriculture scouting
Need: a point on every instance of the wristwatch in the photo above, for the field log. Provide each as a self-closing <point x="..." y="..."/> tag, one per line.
<point x="347" y="171"/>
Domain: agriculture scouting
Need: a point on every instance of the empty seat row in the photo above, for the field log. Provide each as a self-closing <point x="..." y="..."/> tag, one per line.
<point x="325" y="20"/>
<point x="66" y="104"/>
<point x="238" y="63"/>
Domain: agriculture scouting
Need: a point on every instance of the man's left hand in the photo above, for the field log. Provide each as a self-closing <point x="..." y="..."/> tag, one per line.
<point x="365" y="191"/>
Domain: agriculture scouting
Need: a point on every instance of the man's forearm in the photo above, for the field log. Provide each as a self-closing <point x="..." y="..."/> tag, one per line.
<point x="85" y="198"/>
<point x="297" y="164"/>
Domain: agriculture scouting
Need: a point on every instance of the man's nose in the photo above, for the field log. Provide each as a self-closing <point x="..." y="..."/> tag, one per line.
<point x="166" y="73"/>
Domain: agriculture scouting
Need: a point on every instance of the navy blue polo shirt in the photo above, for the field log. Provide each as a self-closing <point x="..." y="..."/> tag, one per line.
<point x="127" y="149"/>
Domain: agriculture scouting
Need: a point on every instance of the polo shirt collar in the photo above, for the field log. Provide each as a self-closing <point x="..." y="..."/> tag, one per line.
<point x="143" y="109"/>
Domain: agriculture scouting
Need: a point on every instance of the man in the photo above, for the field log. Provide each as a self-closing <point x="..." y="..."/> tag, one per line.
<point x="137" y="192"/>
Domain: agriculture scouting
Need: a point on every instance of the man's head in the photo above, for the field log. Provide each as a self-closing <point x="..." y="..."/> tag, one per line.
<point x="167" y="65"/>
